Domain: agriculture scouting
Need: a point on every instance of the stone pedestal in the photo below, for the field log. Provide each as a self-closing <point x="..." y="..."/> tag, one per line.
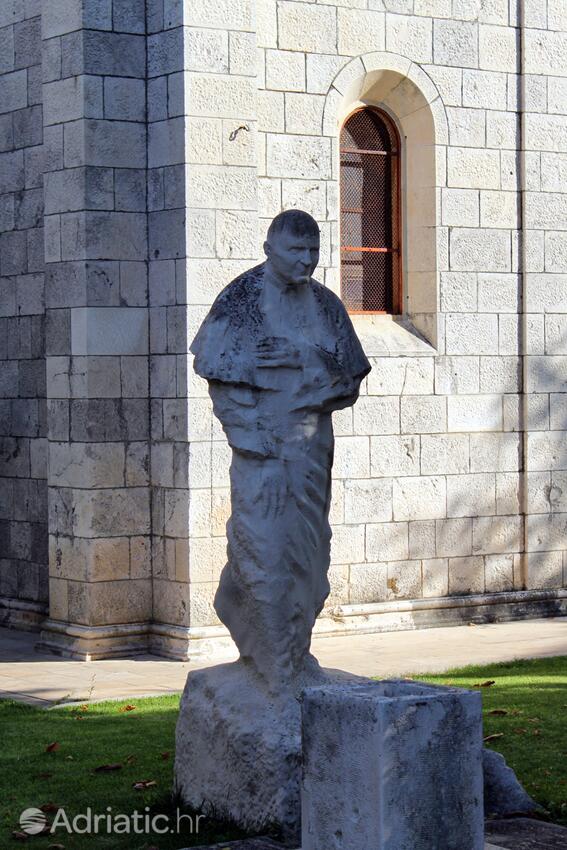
<point x="238" y="749"/>
<point x="392" y="765"/>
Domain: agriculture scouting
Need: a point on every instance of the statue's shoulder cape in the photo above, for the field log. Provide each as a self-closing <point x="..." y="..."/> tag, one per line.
<point x="223" y="346"/>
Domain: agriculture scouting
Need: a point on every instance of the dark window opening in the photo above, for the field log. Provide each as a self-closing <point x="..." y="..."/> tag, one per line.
<point x="370" y="213"/>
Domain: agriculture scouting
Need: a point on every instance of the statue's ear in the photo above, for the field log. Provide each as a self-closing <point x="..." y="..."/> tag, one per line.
<point x="267" y="248"/>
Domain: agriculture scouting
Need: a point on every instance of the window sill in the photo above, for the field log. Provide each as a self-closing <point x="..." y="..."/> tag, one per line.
<point x="390" y="336"/>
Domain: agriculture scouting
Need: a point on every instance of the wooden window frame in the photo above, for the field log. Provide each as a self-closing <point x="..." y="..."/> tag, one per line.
<point x="397" y="284"/>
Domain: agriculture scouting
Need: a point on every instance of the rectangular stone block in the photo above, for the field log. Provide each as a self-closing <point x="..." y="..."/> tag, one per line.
<point x="368" y="751"/>
<point x="423" y="414"/>
<point x="392" y="456"/>
<point x="419" y="498"/>
<point x="471" y="495"/>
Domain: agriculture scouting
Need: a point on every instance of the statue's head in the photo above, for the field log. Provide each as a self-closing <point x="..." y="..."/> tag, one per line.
<point x="292" y="247"/>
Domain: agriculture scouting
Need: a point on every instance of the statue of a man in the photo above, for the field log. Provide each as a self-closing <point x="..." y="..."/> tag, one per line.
<point x="280" y="355"/>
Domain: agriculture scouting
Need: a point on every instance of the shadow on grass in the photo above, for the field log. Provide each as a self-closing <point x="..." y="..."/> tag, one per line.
<point x="50" y="759"/>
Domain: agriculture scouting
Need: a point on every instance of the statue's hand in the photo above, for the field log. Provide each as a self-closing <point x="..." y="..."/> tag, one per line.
<point x="272" y="495"/>
<point x="275" y="351"/>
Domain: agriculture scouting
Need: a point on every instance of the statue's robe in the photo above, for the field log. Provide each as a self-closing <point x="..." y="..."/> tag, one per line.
<point x="278" y="423"/>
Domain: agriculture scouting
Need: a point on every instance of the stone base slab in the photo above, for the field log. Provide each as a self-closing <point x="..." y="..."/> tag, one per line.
<point x="210" y="643"/>
<point x="238" y="748"/>
<point x="19" y="614"/>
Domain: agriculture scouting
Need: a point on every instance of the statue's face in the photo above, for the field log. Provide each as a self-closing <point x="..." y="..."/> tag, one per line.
<point x="292" y="258"/>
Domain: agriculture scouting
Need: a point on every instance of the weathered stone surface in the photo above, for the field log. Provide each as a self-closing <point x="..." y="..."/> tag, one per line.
<point x="526" y="834"/>
<point x="503" y="794"/>
<point x="374" y="755"/>
<point x="238" y="749"/>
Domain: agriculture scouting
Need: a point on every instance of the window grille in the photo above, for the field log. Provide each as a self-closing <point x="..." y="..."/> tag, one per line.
<point x="370" y="213"/>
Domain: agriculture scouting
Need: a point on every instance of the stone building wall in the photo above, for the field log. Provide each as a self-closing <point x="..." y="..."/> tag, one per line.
<point x="23" y="446"/>
<point x="173" y="131"/>
<point x="447" y="473"/>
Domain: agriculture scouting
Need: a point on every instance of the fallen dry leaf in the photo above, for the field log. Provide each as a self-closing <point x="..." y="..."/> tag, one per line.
<point x="44" y="775"/>
<point x="55" y="847"/>
<point x="20" y="836"/>
<point x="52" y="747"/>
<point x="493" y="737"/>
<point x="127" y="708"/>
<point x="142" y="784"/>
<point x="49" y="807"/>
<point x="131" y="759"/>
<point x="487" y="684"/>
<point x="520" y="730"/>
<point x="105" y="768"/>
<point x="498" y="712"/>
<point x="165" y="755"/>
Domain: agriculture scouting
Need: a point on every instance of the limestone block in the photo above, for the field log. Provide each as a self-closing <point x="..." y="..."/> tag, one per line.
<point x="460" y="207"/>
<point x="466" y="575"/>
<point x="555" y="251"/>
<point x="111" y="512"/>
<point x="419" y="498"/>
<point x="223" y="15"/>
<point x="410" y="36"/>
<point x="86" y="464"/>
<point x="352" y="457"/>
<point x="109" y="330"/>
<point x="377" y="415"/>
<point x="556" y="15"/>
<point x="124" y="99"/>
<point x="498" y="293"/>
<point x="360" y="31"/>
<point x="485" y="89"/>
<point x="404" y="580"/>
<point x="498" y="48"/>
<point x="546" y="210"/>
<point x="165" y="52"/>
<point x="467" y="127"/>
<point x="394" y="456"/>
<point x="508" y="493"/>
<point x="474" y="413"/>
<point x="347" y="544"/>
<point x="401" y="376"/>
<point x="499" y="573"/>
<point x="459" y="292"/>
<point x="422" y="539"/>
<point x="298" y="156"/>
<point x="498" y="209"/>
<point x="387" y="541"/>
<point x="236" y="234"/>
<point x="493" y="535"/>
<point x="308" y="195"/>
<point x="224" y="187"/>
<point x="267" y="23"/>
<point x="125" y="16"/>
<point x="322" y="70"/>
<point x="471" y="495"/>
<point x="116" y="144"/>
<point x="455" y="43"/>
<point x="285" y="70"/>
<point x="310" y="28"/>
<point x="547" y="532"/>
<point x="454" y="537"/>
<point x="444" y="454"/>
<point x="423" y="414"/>
<point x="239" y="145"/>
<point x="435" y="573"/>
<point x="502" y="129"/>
<point x="61" y="17"/>
<point x="206" y="50"/>
<point x="546" y="52"/>
<point x="218" y="95"/>
<point x="500" y="374"/>
<point x="378" y="769"/>
<point x="368" y="583"/>
<point x="471" y="168"/>
<point x="271" y="111"/>
<point x="546" y="373"/>
<point x="547" y="449"/>
<point x="494" y="452"/>
<point x="367" y="500"/>
<point x="556" y="94"/>
<point x="304" y="113"/>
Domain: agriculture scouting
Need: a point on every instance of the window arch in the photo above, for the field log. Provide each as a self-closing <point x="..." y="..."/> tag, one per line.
<point x="371" y="273"/>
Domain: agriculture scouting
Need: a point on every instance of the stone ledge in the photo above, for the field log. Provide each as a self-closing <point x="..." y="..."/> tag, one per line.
<point x="390" y="336"/>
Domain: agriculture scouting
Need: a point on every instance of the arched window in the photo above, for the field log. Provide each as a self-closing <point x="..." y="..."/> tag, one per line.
<point x="370" y="213"/>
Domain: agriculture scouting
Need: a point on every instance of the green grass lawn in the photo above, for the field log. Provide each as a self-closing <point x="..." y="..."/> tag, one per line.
<point x="532" y="738"/>
<point x="533" y="730"/>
